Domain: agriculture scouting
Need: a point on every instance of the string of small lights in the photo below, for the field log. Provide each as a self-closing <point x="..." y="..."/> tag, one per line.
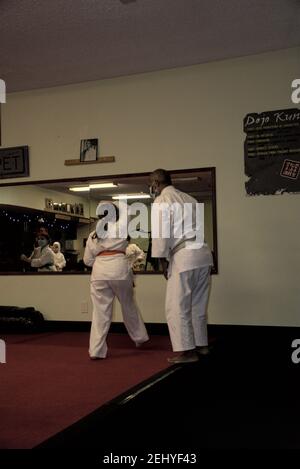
<point x="31" y="219"/>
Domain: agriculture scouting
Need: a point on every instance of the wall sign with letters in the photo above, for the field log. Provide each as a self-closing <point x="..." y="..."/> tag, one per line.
<point x="272" y="152"/>
<point x="14" y="162"/>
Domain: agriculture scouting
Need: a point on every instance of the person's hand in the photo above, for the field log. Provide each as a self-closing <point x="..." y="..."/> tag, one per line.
<point x="23" y="258"/>
<point x="165" y="265"/>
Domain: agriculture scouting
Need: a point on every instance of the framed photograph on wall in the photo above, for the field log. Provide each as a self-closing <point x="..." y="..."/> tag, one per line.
<point x="89" y="149"/>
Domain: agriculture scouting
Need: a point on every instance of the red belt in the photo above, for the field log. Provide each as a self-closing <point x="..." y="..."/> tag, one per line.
<point x="110" y="253"/>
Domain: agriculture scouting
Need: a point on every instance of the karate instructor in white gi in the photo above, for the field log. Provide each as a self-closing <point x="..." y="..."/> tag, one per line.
<point x="111" y="277"/>
<point x="186" y="264"/>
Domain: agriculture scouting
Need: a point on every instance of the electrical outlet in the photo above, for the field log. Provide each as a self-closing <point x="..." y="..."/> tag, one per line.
<point x="84" y="307"/>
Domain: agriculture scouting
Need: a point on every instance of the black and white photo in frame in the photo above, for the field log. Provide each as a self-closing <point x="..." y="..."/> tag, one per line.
<point x="89" y="149"/>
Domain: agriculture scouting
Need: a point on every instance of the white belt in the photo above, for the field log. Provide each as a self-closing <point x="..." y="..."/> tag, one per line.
<point x="182" y="244"/>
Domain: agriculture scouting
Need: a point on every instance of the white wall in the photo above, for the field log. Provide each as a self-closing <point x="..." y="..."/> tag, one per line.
<point x="34" y="197"/>
<point x="184" y="118"/>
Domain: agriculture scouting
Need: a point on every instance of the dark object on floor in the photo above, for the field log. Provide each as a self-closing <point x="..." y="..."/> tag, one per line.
<point x="17" y="319"/>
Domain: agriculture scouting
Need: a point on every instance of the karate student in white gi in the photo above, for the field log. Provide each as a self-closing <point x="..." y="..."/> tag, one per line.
<point x="59" y="258"/>
<point x="42" y="256"/>
<point x="187" y="270"/>
<point x="111" y="277"/>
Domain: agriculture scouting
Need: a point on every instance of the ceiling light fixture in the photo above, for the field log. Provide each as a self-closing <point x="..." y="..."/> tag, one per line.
<point x="79" y="189"/>
<point x="102" y="185"/>
<point x="186" y="179"/>
<point x="131" y="196"/>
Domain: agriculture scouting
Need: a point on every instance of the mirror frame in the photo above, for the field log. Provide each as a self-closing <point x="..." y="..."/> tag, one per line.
<point x="86" y="179"/>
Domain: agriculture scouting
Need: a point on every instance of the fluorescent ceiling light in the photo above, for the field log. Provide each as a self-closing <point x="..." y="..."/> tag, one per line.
<point x="79" y="189"/>
<point x="185" y="179"/>
<point x="131" y="196"/>
<point x="103" y="185"/>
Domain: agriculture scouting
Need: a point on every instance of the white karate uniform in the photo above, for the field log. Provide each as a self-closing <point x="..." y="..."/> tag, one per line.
<point x="59" y="258"/>
<point x="111" y="277"/>
<point x="188" y="277"/>
<point x="90" y="154"/>
<point x="43" y="259"/>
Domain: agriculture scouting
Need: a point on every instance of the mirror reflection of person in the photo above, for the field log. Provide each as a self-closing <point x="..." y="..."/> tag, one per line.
<point x="59" y="258"/>
<point x="111" y="277"/>
<point x="42" y="257"/>
<point x="42" y="230"/>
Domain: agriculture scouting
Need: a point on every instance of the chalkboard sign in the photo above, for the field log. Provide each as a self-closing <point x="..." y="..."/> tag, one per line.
<point x="272" y="152"/>
<point x="14" y="162"/>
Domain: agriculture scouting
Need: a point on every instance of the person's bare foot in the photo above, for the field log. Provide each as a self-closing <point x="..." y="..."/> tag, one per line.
<point x="140" y="345"/>
<point x="188" y="356"/>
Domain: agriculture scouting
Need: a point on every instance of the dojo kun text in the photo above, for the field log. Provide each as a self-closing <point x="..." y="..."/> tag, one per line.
<point x="2" y="351"/>
<point x="296" y="93"/>
<point x="2" y="91"/>
<point x="167" y="221"/>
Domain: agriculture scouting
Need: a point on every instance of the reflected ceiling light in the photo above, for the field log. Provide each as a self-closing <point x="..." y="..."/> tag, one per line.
<point x="102" y="185"/>
<point x="131" y="196"/>
<point x="185" y="179"/>
<point x="79" y="189"/>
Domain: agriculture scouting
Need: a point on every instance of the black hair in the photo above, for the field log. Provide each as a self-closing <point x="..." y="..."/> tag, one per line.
<point x="162" y="176"/>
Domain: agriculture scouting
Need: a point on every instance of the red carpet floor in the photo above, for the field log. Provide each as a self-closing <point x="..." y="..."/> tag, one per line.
<point x="48" y="382"/>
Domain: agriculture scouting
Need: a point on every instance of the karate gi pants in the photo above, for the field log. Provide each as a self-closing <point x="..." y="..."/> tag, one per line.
<point x="186" y="305"/>
<point x="103" y="293"/>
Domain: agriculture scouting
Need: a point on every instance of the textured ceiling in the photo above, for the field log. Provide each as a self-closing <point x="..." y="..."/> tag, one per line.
<point x="47" y="43"/>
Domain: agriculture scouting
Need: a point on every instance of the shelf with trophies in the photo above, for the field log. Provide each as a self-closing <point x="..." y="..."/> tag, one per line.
<point x="65" y="211"/>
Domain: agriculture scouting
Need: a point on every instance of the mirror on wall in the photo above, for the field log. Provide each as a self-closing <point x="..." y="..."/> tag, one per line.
<point x="66" y="209"/>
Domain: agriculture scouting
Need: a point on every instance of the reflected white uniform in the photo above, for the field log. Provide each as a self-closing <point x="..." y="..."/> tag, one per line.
<point x="111" y="277"/>
<point x="188" y="279"/>
<point x="59" y="258"/>
<point x="43" y="259"/>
